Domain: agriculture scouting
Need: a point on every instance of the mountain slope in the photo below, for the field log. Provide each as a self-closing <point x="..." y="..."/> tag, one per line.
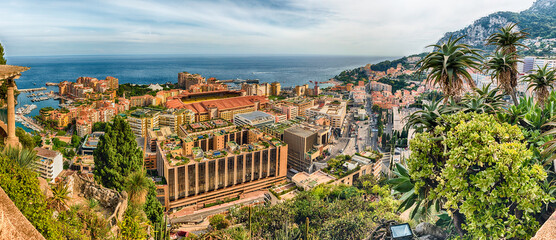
<point x="539" y="21"/>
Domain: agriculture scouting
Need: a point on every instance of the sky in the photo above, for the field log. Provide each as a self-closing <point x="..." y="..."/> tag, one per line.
<point x="238" y="27"/>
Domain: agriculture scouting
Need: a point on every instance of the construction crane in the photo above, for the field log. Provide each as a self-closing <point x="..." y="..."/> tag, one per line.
<point x="316" y="83"/>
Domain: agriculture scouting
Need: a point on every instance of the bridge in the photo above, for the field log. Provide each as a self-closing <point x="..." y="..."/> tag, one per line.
<point x="8" y="75"/>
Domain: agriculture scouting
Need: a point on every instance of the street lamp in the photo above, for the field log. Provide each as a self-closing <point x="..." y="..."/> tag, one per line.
<point x="401" y="232"/>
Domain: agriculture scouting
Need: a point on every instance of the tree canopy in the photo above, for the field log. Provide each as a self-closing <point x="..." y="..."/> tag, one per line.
<point x="2" y="59"/>
<point x="478" y="168"/>
<point x="117" y="155"/>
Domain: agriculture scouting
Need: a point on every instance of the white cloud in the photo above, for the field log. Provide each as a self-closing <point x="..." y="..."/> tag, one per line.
<point x="345" y="27"/>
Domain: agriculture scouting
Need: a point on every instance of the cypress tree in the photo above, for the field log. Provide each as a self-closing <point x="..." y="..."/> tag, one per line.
<point x="2" y="59"/>
<point x="117" y="155"/>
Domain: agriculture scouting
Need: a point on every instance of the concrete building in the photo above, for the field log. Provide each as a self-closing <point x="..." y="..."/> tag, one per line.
<point x="141" y="120"/>
<point x="186" y="80"/>
<point x="335" y="110"/>
<point x="83" y="127"/>
<point x="49" y="164"/>
<point x="173" y="118"/>
<point x="302" y="104"/>
<point x="90" y="144"/>
<point x="254" y="89"/>
<point x="199" y="173"/>
<point x="253" y="118"/>
<point x="377" y="86"/>
<point x="528" y="64"/>
<point x="275" y="89"/>
<point x="309" y="181"/>
<point x="306" y="143"/>
<point x="301" y="90"/>
<point x="221" y="108"/>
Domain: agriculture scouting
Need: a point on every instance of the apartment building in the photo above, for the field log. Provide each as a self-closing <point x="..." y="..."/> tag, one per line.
<point x="334" y="110"/>
<point x="302" y="104"/>
<point x="377" y="86"/>
<point x="275" y="89"/>
<point x="241" y="161"/>
<point x="186" y="80"/>
<point x="173" y="118"/>
<point x="49" y="164"/>
<point x="305" y="144"/>
<point x="143" y="119"/>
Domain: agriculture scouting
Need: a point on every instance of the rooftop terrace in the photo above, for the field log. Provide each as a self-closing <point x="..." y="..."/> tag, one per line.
<point x="208" y="125"/>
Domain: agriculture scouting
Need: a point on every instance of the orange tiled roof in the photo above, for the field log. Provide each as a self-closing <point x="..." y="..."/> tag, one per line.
<point x="221" y="104"/>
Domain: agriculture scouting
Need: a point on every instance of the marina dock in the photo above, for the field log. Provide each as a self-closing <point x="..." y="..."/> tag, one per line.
<point x="27" y="122"/>
<point x="32" y="89"/>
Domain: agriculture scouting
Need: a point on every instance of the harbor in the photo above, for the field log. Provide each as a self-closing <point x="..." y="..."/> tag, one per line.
<point x="41" y="96"/>
<point x="28" y="122"/>
<point x="26" y="104"/>
<point x="26" y="109"/>
<point x="32" y="89"/>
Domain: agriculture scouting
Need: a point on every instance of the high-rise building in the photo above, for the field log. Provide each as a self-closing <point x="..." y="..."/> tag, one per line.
<point x="305" y="144"/>
<point x="143" y="119"/>
<point x="528" y="64"/>
<point x="275" y="89"/>
<point x="112" y="82"/>
<point x="186" y="80"/>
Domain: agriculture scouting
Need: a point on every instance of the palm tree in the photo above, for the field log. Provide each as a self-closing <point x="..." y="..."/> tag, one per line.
<point x="137" y="185"/>
<point x="426" y="119"/>
<point x="541" y="81"/>
<point x="502" y="66"/>
<point x="448" y="65"/>
<point x="483" y="100"/>
<point x="59" y="197"/>
<point x="23" y="156"/>
<point x="506" y="42"/>
<point x="422" y="206"/>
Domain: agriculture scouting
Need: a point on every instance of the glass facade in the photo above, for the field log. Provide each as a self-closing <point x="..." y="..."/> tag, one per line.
<point x="221" y="172"/>
<point x="248" y="167"/>
<point x="211" y="175"/>
<point x="181" y="182"/>
<point x="191" y="177"/>
<point x="239" y="169"/>
<point x="202" y="177"/>
<point x="171" y="184"/>
<point x="256" y="165"/>
<point x="231" y="171"/>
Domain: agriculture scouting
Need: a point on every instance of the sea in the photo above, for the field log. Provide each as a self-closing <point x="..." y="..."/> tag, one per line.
<point x="146" y="69"/>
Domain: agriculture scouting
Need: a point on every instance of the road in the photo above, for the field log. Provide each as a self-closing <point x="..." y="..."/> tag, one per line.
<point x="363" y="137"/>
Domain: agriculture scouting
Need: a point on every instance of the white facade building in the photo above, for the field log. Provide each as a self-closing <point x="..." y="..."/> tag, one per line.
<point x="49" y="164"/>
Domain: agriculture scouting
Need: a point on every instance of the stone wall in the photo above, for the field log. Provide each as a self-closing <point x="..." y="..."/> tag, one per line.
<point x="109" y="199"/>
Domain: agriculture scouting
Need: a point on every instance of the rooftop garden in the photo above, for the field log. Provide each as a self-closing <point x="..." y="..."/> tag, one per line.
<point x="216" y="154"/>
<point x="337" y="166"/>
<point x="212" y="124"/>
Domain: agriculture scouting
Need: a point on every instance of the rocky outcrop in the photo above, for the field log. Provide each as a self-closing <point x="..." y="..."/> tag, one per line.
<point x="538" y="21"/>
<point x="109" y="199"/>
<point x="429" y="231"/>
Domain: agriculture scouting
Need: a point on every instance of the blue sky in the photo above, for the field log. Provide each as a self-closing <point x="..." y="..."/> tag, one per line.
<point x="328" y="27"/>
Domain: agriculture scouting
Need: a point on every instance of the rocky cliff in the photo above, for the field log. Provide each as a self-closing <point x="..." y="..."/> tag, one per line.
<point x="539" y="21"/>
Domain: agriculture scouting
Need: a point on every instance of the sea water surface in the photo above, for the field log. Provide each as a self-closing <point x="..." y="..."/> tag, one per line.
<point x="147" y="69"/>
